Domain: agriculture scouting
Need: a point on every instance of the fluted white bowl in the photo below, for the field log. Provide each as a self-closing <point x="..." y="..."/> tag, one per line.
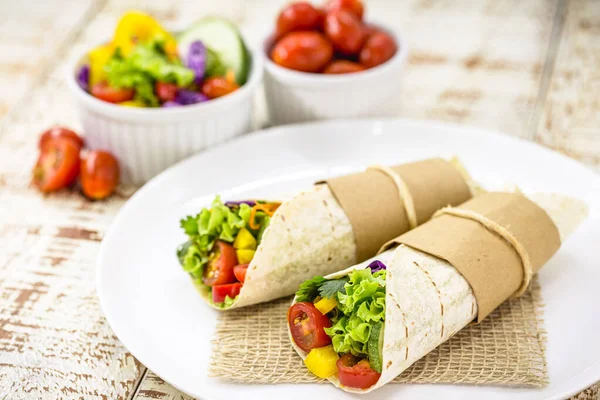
<point x="294" y="96"/>
<point x="148" y="140"/>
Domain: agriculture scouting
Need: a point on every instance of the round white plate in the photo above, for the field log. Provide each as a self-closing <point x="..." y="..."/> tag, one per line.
<point x="155" y="311"/>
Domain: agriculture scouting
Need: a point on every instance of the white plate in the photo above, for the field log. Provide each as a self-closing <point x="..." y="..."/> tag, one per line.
<point x="153" y="308"/>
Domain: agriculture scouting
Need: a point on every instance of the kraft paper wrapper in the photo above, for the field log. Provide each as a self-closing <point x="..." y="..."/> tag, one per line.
<point x="487" y="261"/>
<point x="373" y="205"/>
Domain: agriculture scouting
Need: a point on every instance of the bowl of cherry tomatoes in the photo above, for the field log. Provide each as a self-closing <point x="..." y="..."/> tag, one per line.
<point x="330" y="62"/>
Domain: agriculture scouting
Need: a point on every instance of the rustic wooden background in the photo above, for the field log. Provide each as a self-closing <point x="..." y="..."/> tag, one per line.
<point x="530" y="68"/>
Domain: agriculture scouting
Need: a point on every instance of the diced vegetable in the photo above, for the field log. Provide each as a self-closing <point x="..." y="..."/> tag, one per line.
<point x="245" y="256"/>
<point x="356" y="373"/>
<point x="135" y="27"/>
<point x="219" y="270"/>
<point x="245" y="240"/>
<point x="187" y="97"/>
<point x="83" y="77"/>
<point x="221" y="292"/>
<point x="375" y="345"/>
<point x="132" y="103"/>
<point x="99" y="57"/>
<point x="322" y="361"/>
<point x="240" y="272"/>
<point x="307" y="326"/>
<point x="325" y="305"/>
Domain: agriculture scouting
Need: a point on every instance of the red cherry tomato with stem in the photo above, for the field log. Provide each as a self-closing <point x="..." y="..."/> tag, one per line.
<point x="345" y="31"/>
<point x="59" y="132"/>
<point x="99" y="174"/>
<point x="356" y="373"/>
<point x="302" y="51"/>
<point x="217" y="86"/>
<point x="240" y="272"/>
<point x="343" y="67"/>
<point x="166" y="91"/>
<point x="104" y="91"/>
<point x="300" y="16"/>
<point x="219" y="292"/>
<point x="57" y="165"/>
<point x="354" y="6"/>
<point x="219" y="270"/>
<point x="306" y="324"/>
<point x="378" y="48"/>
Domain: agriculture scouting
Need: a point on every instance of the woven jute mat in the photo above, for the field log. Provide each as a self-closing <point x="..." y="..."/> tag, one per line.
<point x="251" y="345"/>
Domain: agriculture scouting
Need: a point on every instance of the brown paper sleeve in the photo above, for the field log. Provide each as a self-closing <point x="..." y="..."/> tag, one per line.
<point x="486" y="260"/>
<point x="372" y="201"/>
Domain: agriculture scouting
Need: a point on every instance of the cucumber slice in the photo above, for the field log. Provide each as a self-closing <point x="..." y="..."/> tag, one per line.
<point x="225" y="40"/>
<point x="374" y="346"/>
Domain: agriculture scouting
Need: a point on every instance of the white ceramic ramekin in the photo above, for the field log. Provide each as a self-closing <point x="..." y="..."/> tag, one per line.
<point x="294" y="96"/>
<point x="148" y="140"/>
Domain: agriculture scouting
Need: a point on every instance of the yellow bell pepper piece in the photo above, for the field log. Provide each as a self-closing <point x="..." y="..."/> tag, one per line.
<point x="244" y="256"/>
<point x="99" y="57"/>
<point x="135" y="27"/>
<point x="132" y="103"/>
<point x="325" y="305"/>
<point x="244" y="240"/>
<point x="321" y="361"/>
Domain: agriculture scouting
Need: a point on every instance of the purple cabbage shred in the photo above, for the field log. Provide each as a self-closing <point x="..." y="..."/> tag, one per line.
<point x="169" y="104"/>
<point x="196" y="60"/>
<point x="251" y="203"/>
<point x="376" y="266"/>
<point x="187" y="97"/>
<point x="83" y="77"/>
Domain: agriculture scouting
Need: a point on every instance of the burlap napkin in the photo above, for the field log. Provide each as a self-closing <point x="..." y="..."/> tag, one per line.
<point x="251" y="345"/>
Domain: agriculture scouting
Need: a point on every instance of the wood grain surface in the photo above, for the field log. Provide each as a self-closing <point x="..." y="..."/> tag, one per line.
<point x="527" y="68"/>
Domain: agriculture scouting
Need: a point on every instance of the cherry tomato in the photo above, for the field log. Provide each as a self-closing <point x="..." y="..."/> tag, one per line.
<point x="217" y="87"/>
<point x="166" y="91"/>
<point x="99" y="174"/>
<point x="219" y="270"/>
<point x="303" y="51"/>
<point x="306" y="324"/>
<point x="345" y="31"/>
<point x="343" y="67"/>
<point x="379" y="48"/>
<point x="356" y="374"/>
<point x="57" y="165"/>
<point x="59" y="132"/>
<point x="219" y="292"/>
<point x="354" y="6"/>
<point x="104" y="91"/>
<point x="300" y="16"/>
<point x="240" y="272"/>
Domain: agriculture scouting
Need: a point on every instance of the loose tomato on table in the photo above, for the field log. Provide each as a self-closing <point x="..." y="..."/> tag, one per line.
<point x="354" y="6"/>
<point x="343" y="67"/>
<point x="219" y="270"/>
<point x="300" y="16"/>
<point x="356" y="373"/>
<point x="216" y="87"/>
<point x="240" y="272"/>
<point x="104" y="91"/>
<point x="378" y="48"/>
<point x="59" y="132"/>
<point x="166" y="91"/>
<point x="303" y="51"/>
<point x="99" y="174"/>
<point x="57" y="165"/>
<point x="219" y="292"/>
<point x="307" y="324"/>
<point x="345" y="31"/>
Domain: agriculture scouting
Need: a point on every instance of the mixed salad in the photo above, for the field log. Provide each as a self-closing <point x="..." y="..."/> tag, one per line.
<point x="146" y="66"/>
<point x="340" y="324"/>
<point x="222" y="242"/>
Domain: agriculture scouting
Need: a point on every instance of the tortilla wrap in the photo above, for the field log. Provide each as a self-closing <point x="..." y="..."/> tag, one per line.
<point x="310" y="235"/>
<point x="428" y="300"/>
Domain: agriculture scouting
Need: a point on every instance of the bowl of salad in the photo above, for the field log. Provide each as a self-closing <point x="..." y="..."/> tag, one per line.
<point x="329" y="61"/>
<point x="153" y="97"/>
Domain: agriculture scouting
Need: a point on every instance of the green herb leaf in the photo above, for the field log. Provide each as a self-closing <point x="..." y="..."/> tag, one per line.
<point x="189" y="225"/>
<point x="309" y="289"/>
<point x="331" y="287"/>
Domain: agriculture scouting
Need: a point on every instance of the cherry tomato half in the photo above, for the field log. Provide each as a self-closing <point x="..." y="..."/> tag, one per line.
<point x="104" y="91"/>
<point x="216" y="87"/>
<point x="99" y="174"/>
<point x="300" y="16"/>
<point x="354" y="6"/>
<point x="219" y="292"/>
<point x="343" y="67"/>
<point x="57" y="165"/>
<point x="219" y="270"/>
<point x="303" y="51"/>
<point x="306" y="324"/>
<point x="166" y="91"/>
<point x="356" y="374"/>
<point x="379" y="48"/>
<point x="59" y="132"/>
<point x="240" y="272"/>
<point x="345" y="31"/>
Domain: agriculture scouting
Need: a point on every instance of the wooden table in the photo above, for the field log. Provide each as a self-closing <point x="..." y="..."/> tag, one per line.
<point x="528" y="68"/>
